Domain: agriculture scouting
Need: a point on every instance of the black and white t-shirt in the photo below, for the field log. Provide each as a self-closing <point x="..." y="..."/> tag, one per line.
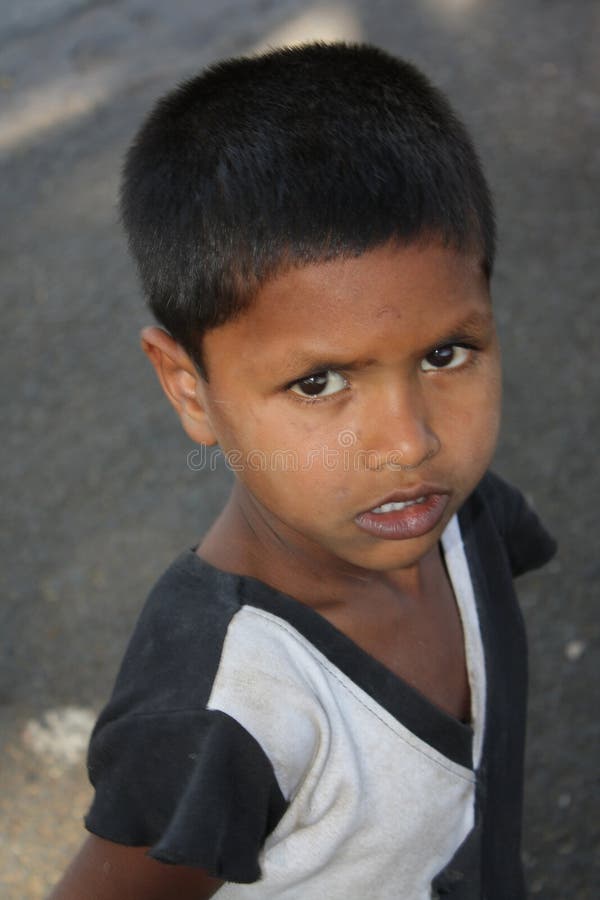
<point x="249" y="736"/>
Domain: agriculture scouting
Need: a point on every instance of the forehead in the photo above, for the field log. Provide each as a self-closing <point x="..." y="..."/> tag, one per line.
<point x="353" y="306"/>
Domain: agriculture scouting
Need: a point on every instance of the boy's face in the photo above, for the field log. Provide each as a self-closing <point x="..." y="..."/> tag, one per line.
<point x="356" y="383"/>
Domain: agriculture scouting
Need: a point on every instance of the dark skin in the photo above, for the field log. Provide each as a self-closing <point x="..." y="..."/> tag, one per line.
<point x="416" y="633"/>
<point x="418" y="638"/>
<point x="103" y="870"/>
<point x="372" y="329"/>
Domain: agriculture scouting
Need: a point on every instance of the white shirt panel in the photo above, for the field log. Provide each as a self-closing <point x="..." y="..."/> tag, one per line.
<point x="371" y="805"/>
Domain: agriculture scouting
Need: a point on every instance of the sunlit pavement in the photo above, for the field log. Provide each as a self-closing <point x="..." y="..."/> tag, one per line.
<point x="98" y="494"/>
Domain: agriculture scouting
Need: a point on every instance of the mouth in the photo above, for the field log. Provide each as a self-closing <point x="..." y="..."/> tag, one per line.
<point x="405" y="514"/>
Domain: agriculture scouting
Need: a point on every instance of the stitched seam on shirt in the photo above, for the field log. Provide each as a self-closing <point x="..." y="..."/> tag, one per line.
<point x="325" y="664"/>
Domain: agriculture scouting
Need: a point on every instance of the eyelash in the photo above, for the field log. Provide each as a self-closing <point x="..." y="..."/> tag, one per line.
<point x="317" y="397"/>
<point x="460" y="345"/>
<point x="463" y="345"/>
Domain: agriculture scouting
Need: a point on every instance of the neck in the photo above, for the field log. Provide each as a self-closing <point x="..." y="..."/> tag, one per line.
<point x="247" y="539"/>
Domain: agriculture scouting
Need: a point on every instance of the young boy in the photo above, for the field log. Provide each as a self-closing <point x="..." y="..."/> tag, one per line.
<point x="325" y="699"/>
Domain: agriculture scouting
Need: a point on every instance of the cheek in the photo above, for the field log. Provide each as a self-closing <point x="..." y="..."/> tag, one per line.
<point x="301" y="449"/>
<point x="491" y="405"/>
<point x="471" y="420"/>
<point x="238" y="426"/>
<point x="299" y="480"/>
<point x="274" y="459"/>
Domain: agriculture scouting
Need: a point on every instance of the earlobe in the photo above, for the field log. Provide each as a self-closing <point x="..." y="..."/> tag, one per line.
<point x="180" y="381"/>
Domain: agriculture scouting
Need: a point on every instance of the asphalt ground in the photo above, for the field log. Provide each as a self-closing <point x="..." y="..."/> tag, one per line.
<point x="98" y="496"/>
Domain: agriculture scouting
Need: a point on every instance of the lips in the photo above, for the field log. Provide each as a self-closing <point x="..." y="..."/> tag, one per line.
<point x="405" y="514"/>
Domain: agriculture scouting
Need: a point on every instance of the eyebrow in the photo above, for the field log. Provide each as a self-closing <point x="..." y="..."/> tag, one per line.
<point x="473" y="324"/>
<point x="306" y="362"/>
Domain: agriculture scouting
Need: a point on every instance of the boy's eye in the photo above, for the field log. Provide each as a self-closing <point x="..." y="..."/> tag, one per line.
<point x="449" y="357"/>
<point x="321" y="384"/>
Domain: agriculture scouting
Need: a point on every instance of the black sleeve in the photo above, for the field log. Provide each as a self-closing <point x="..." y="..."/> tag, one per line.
<point x="527" y="542"/>
<point x="193" y="785"/>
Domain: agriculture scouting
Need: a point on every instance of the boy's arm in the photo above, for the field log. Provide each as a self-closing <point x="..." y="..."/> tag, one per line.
<point x="103" y="870"/>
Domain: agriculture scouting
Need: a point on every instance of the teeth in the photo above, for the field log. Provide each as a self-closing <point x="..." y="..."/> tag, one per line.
<point x="393" y="507"/>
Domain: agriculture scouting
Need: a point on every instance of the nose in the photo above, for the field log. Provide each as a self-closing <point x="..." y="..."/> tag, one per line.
<point x="402" y="437"/>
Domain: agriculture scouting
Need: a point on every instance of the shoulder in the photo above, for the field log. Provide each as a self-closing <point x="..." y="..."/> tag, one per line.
<point x="527" y="542"/>
<point x="210" y="642"/>
<point x="175" y="649"/>
<point x="215" y="653"/>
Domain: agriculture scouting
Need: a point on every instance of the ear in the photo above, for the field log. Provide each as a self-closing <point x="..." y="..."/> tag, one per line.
<point x="181" y="382"/>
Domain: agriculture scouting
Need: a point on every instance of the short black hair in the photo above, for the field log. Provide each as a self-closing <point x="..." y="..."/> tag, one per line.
<point x="299" y="155"/>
